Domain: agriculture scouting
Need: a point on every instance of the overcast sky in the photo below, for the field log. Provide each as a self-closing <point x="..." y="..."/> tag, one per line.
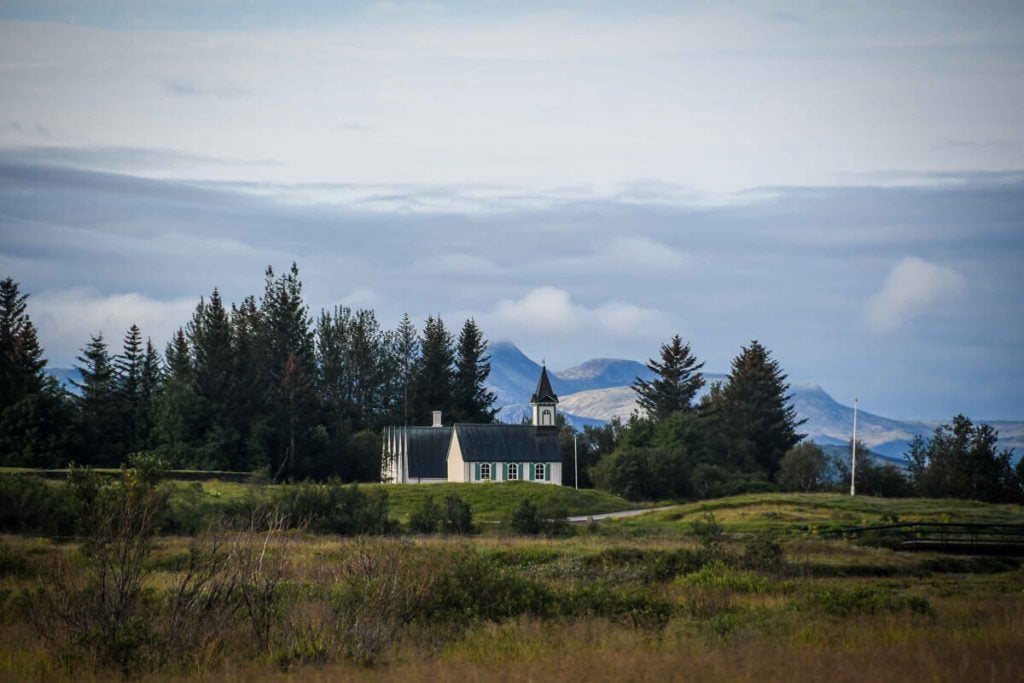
<point x="842" y="181"/>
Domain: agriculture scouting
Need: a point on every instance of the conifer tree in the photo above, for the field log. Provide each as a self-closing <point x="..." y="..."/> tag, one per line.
<point x="472" y="400"/>
<point x="288" y="359"/>
<point x="150" y="383"/>
<point x="176" y="406"/>
<point x="757" y="409"/>
<point x="34" y="410"/>
<point x="98" y="414"/>
<point x="677" y="383"/>
<point x="22" y="365"/>
<point x="212" y="373"/>
<point x="407" y="354"/>
<point x="127" y="385"/>
<point x="434" y="381"/>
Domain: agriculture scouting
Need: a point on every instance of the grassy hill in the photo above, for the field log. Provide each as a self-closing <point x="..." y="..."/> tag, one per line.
<point x="489" y="502"/>
<point x="803" y="511"/>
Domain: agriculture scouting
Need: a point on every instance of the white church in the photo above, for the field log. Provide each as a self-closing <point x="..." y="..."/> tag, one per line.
<point x="465" y="452"/>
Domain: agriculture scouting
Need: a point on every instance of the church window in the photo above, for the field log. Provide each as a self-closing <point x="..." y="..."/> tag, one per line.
<point x="538" y="471"/>
<point x="545" y="418"/>
<point x="485" y="470"/>
<point x="513" y="472"/>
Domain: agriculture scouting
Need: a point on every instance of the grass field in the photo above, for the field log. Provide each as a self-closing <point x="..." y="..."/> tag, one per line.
<point x="638" y="599"/>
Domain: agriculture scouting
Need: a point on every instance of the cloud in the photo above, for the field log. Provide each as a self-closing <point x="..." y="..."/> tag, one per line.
<point x="641" y="254"/>
<point x="183" y="89"/>
<point x="67" y="317"/>
<point x="551" y="311"/>
<point x="912" y="287"/>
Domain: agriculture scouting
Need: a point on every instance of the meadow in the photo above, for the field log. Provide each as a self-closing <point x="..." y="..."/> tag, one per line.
<point x="737" y="589"/>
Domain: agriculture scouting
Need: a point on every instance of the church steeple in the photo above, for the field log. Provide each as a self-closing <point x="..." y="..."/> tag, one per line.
<point x="544" y="401"/>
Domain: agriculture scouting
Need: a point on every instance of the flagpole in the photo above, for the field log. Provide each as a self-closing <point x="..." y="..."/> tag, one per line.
<point x="853" y="458"/>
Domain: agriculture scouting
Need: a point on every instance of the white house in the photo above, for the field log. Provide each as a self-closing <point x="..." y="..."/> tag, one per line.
<point x="467" y="452"/>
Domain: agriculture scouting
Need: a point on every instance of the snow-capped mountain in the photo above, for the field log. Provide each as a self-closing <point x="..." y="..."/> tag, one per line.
<point x="598" y="390"/>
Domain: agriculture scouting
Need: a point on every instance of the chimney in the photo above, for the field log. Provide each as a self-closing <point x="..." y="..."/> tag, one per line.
<point x="437" y="418"/>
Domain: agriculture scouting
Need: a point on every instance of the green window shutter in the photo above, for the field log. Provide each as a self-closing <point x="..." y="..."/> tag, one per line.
<point x="529" y="471"/>
<point x="477" y="471"/>
<point x="504" y="471"/>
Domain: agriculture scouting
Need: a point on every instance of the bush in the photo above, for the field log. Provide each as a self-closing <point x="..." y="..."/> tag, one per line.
<point x="526" y="519"/>
<point x="709" y="533"/>
<point x="762" y="552"/>
<point x="30" y="504"/>
<point x="846" y="602"/>
<point x="425" y="519"/>
<point x="335" y="508"/>
<point x="458" y="517"/>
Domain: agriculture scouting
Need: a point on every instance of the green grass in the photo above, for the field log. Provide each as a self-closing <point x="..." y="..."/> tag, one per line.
<point x="489" y="502"/>
<point x="792" y="512"/>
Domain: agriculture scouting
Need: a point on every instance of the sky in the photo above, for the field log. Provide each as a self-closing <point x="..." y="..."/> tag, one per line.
<point x="842" y="181"/>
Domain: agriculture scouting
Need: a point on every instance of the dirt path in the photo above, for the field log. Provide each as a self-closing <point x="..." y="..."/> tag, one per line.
<point x="583" y="519"/>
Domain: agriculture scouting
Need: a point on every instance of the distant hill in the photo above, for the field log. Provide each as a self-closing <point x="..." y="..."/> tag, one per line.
<point x="597" y="390"/>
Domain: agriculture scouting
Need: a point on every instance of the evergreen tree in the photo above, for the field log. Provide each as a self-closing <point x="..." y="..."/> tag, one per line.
<point x="249" y="402"/>
<point x="98" y="414"/>
<point x="22" y="366"/>
<point x="150" y="383"/>
<point x="34" y="411"/>
<point x="434" y="381"/>
<point x="288" y="439"/>
<point x="210" y="340"/>
<point x="407" y="350"/>
<point x="175" y="414"/>
<point x="472" y="400"/>
<point x="678" y="381"/>
<point x="755" y="409"/>
<point x="128" y="387"/>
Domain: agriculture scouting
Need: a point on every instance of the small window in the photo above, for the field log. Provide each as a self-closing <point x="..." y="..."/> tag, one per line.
<point x="538" y="471"/>
<point x="545" y="418"/>
<point x="485" y="470"/>
<point x="513" y="472"/>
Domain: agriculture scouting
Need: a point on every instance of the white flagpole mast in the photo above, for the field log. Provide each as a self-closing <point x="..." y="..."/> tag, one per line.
<point x="575" y="463"/>
<point x="853" y="459"/>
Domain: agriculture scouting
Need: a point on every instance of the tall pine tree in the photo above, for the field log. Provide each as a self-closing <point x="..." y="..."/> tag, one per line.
<point x="472" y="400"/>
<point x="99" y="417"/>
<point x="128" y="388"/>
<point x="176" y="412"/>
<point x="407" y="356"/>
<point x="755" y="410"/>
<point x="677" y="383"/>
<point x="34" y="411"/>
<point x="435" y="379"/>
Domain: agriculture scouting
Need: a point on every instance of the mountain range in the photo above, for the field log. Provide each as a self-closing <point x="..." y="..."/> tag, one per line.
<point x="598" y="390"/>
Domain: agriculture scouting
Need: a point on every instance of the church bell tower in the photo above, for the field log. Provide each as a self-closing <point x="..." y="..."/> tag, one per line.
<point x="544" y="402"/>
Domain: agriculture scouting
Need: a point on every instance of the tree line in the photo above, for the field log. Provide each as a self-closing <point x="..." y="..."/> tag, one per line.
<point x="256" y="385"/>
<point x="743" y="436"/>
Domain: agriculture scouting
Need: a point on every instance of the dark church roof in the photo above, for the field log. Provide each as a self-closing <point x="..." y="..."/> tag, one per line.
<point x="543" y="393"/>
<point x="428" y="451"/>
<point x="508" y="443"/>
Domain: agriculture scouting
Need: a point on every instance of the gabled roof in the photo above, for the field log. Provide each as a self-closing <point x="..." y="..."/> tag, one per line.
<point x="508" y="443"/>
<point x="543" y="393"/>
<point x="427" y="451"/>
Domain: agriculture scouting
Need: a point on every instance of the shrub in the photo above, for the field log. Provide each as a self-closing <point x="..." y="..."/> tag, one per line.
<point x="334" y="508"/>
<point x="846" y="602"/>
<point x="425" y="519"/>
<point x="709" y="533"/>
<point x="458" y="517"/>
<point x="526" y="519"/>
<point x="762" y="552"/>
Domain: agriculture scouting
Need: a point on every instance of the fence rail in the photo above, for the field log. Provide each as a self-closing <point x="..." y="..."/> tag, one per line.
<point x="947" y="537"/>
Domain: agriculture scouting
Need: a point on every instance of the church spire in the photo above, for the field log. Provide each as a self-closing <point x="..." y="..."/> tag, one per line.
<point x="543" y="401"/>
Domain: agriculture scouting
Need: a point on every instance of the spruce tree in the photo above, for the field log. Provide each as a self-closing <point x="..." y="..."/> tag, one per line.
<point x="35" y="414"/>
<point x="757" y="408"/>
<point x="212" y="374"/>
<point x="288" y="360"/>
<point x="150" y="383"/>
<point x="128" y="387"/>
<point x="677" y="383"/>
<point x="407" y="354"/>
<point x="175" y="414"/>
<point x="22" y="366"/>
<point x="472" y="400"/>
<point x="434" y="381"/>
<point x="99" y="418"/>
